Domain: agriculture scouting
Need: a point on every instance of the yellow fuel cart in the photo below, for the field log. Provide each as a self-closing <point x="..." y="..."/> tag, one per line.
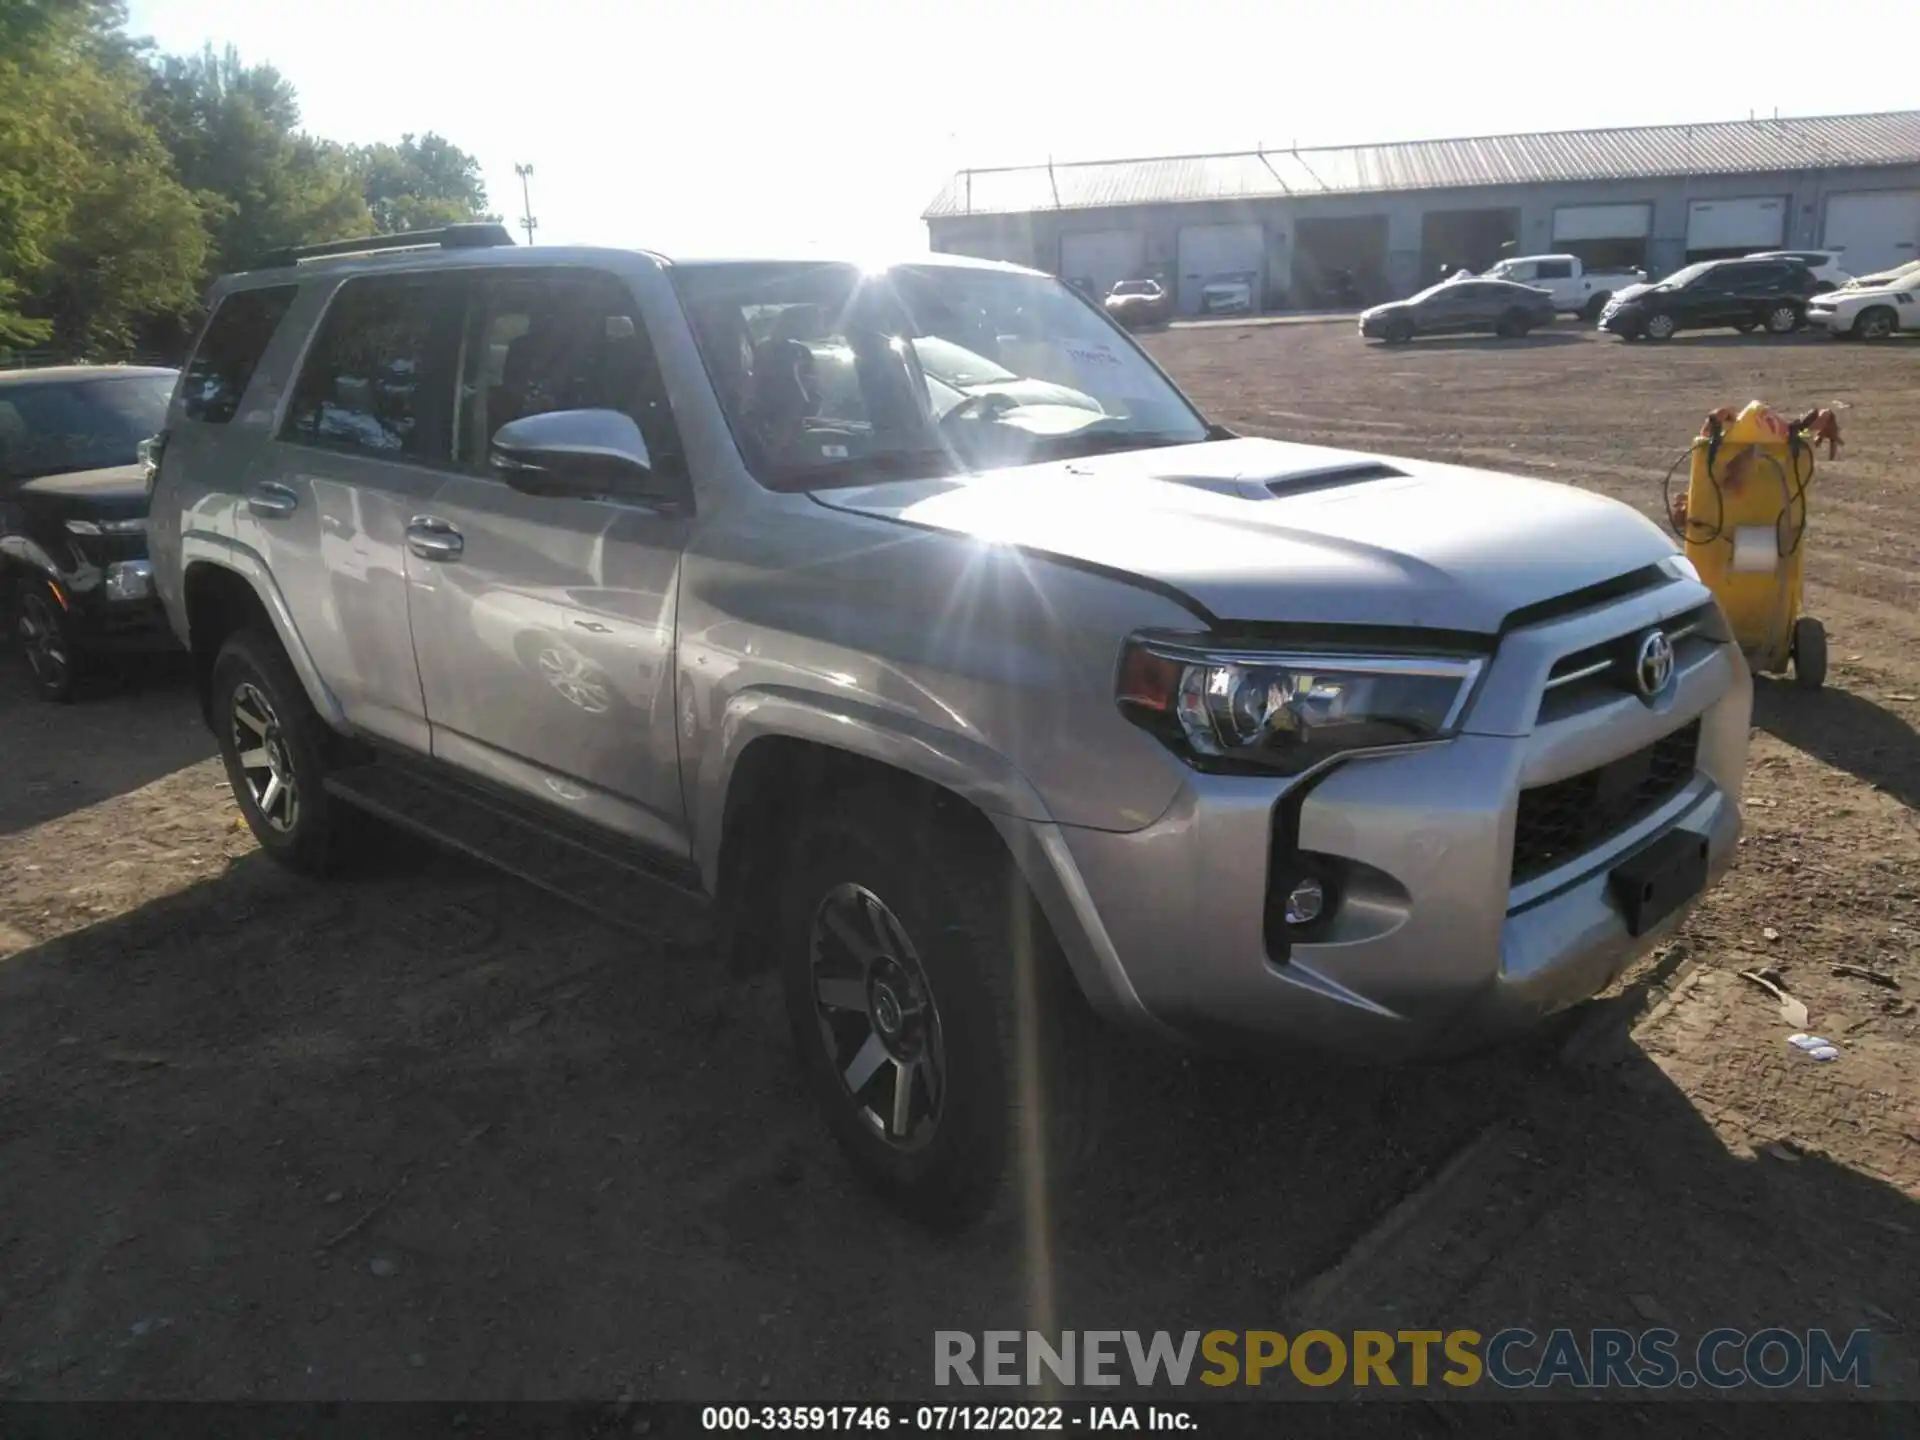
<point x="1743" y="523"/>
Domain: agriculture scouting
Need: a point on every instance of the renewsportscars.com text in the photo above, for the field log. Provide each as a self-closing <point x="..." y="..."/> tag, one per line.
<point x="1512" y="1358"/>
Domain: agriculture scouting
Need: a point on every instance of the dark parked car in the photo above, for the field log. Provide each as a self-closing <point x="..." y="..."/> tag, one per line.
<point x="74" y="576"/>
<point x="1455" y="307"/>
<point x="1139" y="302"/>
<point x="1743" y="295"/>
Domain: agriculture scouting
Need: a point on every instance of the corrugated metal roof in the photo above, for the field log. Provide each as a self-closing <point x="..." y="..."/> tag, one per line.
<point x="1721" y="148"/>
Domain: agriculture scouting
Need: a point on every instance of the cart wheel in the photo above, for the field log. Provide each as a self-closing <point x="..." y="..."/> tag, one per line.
<point x="1809" y="653"/>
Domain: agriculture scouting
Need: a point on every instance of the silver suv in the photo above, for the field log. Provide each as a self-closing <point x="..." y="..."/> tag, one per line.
<point x="914" y="617"/>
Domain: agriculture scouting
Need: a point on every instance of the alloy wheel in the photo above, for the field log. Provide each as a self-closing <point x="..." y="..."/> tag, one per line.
<point x="877" y="1016"/>
<point x="1659" y="327"/>
<point x="266" y="763"/>
<point x="1874" y="325"/>
<point x="1783" y="319"/>
<point x="41" y="642"/>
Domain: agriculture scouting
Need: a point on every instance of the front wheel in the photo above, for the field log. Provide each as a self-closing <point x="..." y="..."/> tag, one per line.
<point x="1809" y="653"/>
<point x="275" y="749"/>
<point x="1513" y="325"/>
<point x="1783" y="320"/>
<point x="1399" y="332"/>
<point x="47" y="644"/>
<point x="1876" y="323"/>
<point x="1659" y="327"/>
<point x="923" y="1007"/>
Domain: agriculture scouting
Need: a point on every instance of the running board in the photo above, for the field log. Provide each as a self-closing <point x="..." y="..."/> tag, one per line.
<point x="623" y="887"/>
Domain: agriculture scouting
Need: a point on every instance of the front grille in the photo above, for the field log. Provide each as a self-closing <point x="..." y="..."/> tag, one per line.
<point x="1616" y="655"/>
<point x="1557" y="822"/>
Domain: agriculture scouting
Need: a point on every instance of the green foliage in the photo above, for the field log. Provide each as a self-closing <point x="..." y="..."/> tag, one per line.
<point x="127" y="181"/>
<point x="419" y="183"/>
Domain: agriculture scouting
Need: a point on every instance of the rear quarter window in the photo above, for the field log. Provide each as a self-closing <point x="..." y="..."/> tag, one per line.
<point x="237" y="335"/>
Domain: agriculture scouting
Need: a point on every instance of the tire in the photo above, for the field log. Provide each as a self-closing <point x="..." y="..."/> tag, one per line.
<point x="1783" y="320"/>
<point x="1658" y="327"/>
<point x="1513" y="325"/>
<point x="1595" y="304"/>
<point x="256" y="697"/>
<point x="1398" y="332"/>
<point x="905" y="913"/>
<point x="1876" y="322"/>
<point x="1809" y="653"/>
<point x="54" y="661"/>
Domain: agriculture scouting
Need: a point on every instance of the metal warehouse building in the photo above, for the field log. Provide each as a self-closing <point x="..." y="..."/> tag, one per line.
<point x="1391" y="218"/>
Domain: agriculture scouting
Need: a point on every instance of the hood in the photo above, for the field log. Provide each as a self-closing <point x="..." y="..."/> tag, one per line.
<point x="1631" y="292"/>
<point x="1851" y="293"/>
<point x="118" y="493"/>
<point x="1260" y="531"/>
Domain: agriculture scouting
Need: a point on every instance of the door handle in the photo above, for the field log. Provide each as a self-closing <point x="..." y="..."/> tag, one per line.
<point x="433" y="539"/>
<point x="270" y="501"/>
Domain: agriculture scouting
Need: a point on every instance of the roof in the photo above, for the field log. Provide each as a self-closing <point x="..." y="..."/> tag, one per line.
<point x="51" y="373"/>
<point x="1729" y="147"/>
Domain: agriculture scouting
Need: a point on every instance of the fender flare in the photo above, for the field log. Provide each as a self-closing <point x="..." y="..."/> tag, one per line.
<point x="202" y="548"/>
<point x="974" y="772"/>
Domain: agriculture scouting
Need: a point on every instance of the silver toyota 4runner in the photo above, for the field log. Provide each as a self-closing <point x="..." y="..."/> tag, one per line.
<point x="914" y="617"/>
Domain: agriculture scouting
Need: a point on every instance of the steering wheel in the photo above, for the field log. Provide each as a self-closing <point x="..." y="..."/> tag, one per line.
<point x="987" y="405"/>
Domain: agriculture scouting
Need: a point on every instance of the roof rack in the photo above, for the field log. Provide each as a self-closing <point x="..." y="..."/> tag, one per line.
<point x="479" y="236"/>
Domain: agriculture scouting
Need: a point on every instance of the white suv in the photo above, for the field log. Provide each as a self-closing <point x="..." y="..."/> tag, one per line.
<point x="1825" y="265"/>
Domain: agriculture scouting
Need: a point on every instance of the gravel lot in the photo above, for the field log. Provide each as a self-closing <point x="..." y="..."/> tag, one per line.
<point x="427" y="1133"/>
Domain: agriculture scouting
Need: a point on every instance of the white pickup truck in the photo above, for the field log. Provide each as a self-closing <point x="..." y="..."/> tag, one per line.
<point x="1576" y="290"/>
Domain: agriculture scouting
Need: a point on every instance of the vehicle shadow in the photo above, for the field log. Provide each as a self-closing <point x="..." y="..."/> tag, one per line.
<point x="1846" y="731"/>
<point x="131" y="726"/>
<point x="433" y="1135"/>
<point x="1533" y="340"/>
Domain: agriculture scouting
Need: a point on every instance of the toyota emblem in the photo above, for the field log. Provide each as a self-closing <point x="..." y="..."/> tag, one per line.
<point x="1653" y="666"/>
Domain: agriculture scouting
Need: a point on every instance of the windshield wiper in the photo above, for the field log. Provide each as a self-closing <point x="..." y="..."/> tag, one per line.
<point x="928" y="464"/>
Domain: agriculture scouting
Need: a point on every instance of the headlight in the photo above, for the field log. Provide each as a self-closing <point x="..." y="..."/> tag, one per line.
<point x="1287" y="712"/>
<point x="137" y="526"/>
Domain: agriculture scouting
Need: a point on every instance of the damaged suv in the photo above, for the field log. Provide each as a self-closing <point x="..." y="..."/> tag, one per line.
<point x="965" y="696"/>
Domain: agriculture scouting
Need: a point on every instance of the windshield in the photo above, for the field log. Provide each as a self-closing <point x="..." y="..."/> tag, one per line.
<point x="1136" y="287"/>
<point x="833" y="375"/>
<point x="55" y="427"/>
<point x="1686" y="276"/>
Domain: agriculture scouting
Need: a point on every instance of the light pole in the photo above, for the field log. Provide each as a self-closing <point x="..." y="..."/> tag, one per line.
<point x="527" y="221"/>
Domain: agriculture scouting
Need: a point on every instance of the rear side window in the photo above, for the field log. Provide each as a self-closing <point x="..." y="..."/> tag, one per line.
<point x="230" y="348"/>
<point x="377" y="377"/>
<point x="1556" y="270"/>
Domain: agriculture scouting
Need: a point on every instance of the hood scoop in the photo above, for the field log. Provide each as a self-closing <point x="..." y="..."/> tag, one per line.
<point x="1296" y="482"/>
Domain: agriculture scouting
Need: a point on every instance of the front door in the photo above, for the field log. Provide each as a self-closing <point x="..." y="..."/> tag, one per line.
<point x="544" y="626"/>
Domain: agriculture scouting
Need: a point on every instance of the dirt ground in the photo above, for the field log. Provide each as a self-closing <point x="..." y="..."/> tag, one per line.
<point x="428" y="1134"/>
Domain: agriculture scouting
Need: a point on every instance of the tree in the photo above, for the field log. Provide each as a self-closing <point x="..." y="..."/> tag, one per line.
<point x="233" y="131"/>
<point x="420" y="183"/>
<point x="95" y="232"/>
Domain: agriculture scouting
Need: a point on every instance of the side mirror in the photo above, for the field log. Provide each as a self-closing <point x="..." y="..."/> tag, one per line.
<point x="579" y="453"/>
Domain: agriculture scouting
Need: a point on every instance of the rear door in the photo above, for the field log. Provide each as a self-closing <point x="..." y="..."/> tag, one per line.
<point x="362" y="446"/>
<point x="1556" y="277"/>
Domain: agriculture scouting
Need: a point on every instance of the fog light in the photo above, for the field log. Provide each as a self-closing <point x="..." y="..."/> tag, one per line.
<point x="1304" y="902"/>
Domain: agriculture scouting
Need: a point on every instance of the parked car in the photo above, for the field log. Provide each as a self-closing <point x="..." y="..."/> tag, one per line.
<point x="1576" y="290"/>
<point x="1869" y="313"/>
<point x="1827" y="266"/>
<point x="75" y="581"/>
<point x="961" y="722"/>
<point x="1455" y="307"/>
<point x="1227" y="295"/>
<point x="1135" y="303"/>
<point x="1742" y="295"/>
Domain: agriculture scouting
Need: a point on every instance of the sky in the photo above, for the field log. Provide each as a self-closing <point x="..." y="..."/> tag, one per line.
<point x="730" y="127"/>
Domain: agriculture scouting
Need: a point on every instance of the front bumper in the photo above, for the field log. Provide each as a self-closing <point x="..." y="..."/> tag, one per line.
<point x="1434" y="946"/>
<point x="114" y="609"/>
<point x="1827" y="318"/>
<point x="1621" y="321"/>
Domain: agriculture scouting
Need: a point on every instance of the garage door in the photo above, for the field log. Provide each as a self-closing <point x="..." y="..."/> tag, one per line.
<point x="1220" y="252"/>
<point x="1602" y="222"/>
<point x="1099" y="258"/>
<point x="1754" y="224"/>
<point x="1879" y="229"/>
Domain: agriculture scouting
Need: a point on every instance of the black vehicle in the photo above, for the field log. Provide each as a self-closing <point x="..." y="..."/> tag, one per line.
<point x="1457" y="307"/>
<point x="74" y="576"/>
<point x="1743" y="295"/>
<point x="1138" y="303"/>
